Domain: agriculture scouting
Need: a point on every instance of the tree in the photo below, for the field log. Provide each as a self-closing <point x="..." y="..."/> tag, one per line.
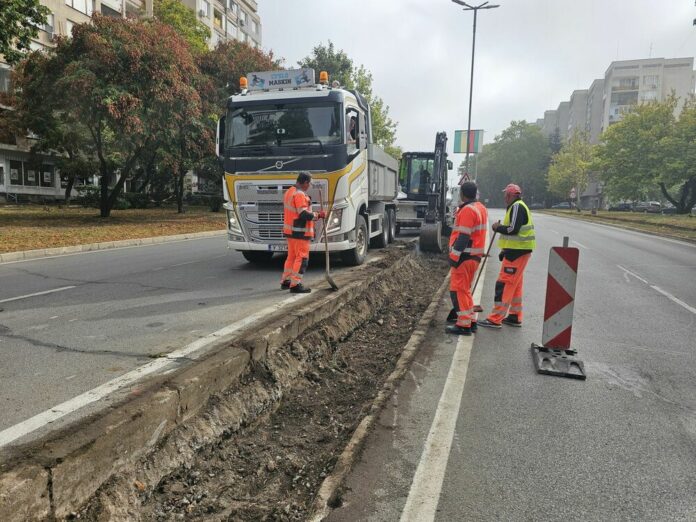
<point x="570" y="167"/>
<point x="126" y="84"/>
<point x="520" y="154"/>
<point x="19" y="23"/>
<point x="184" y="21"/>
<point x="341" y="68"/>
<point x="649" y="149"/>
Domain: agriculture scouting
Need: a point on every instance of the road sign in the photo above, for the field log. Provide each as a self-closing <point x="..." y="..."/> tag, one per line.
<point x="572" y="193"/>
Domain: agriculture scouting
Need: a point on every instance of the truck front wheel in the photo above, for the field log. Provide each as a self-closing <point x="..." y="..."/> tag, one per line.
<point x="257" y="256"/>
<point x="356" y="256"/>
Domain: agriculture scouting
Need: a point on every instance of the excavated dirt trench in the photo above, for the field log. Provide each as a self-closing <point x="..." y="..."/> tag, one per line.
<point x="271" y="467"/>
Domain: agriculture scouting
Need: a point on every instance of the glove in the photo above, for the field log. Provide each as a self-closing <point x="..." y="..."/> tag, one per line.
<point x="321" y="214"/>
<point x="501" y="256"/>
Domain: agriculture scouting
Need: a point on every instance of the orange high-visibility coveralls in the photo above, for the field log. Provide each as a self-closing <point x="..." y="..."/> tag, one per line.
<point x="298" y="228"/>
<point x="479" y="239"/>
<point x="464" y="258"/>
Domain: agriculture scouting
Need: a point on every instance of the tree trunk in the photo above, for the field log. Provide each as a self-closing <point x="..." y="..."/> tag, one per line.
<point x="180" y="192"/>
<point x="68" y="190"/>
<point x="687" y="196"/>
<point x="104" y="207"/>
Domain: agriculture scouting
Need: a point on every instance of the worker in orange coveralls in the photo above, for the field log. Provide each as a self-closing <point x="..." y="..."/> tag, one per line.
<point x="517" y="241"/>
<point x="464" y="258"/>
<point x="298" y="228"/>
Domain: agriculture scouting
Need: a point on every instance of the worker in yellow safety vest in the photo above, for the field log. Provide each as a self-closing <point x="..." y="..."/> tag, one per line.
<point x="517" y="242"/>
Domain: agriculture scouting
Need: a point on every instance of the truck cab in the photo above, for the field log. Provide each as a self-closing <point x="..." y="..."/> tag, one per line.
<point x="283" y="123"/>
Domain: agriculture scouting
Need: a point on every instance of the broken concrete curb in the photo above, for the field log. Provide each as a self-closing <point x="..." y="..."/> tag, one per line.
<point x="60" y="472"/>
<point x="105" y="245"/>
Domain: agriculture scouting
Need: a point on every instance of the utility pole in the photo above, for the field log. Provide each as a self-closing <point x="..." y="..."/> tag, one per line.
<point x="475" y="9"/>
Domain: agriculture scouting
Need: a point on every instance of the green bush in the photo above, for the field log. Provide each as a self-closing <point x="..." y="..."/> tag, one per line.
<point x="137" y="199"/>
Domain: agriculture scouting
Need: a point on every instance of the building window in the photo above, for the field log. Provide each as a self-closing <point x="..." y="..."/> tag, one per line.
<point x="5" y="75"/>
<point x="217" y="19"/>
<point x="69" y="24"/>
<point x="651" y="81"/>
<point x="48" y="26"/>
<point x="254" y="27"/>
<point x="15" y="172"/>
<point x="47" y="176"/>
<point x="205" y="9"/>
<point x="2" y="175"/>
<point x="243" y="19"/>
<point x="231" y="29"/>
<point x="232" y="6"/>
<point x="84" y="6"/>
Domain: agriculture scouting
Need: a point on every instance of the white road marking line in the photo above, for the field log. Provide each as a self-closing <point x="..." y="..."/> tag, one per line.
<point x="45" y="292"/>
<point x="675" y="299"/>
<point x="54" y="317"/>
<point x="555" y="231"/>
<point x="70" y="377"/>
<point x="424" y="496"/>
<point x="61" y="410"/>
<point x="661" y="291"/>
<point x="580" y="244"/>
<point x="634" y="275"/>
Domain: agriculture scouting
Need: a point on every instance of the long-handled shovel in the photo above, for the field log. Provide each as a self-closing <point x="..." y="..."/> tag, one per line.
<point x="329" y="279"/>
<point x="477" y="308"/>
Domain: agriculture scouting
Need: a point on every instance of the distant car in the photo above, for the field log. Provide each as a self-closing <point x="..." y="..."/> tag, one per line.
<point x="620" y="207"/>
<point x="650" y="207"/>
<point x="536" y="206"/>
<point x="669" y="209"/>
<point x="562" y="204"/>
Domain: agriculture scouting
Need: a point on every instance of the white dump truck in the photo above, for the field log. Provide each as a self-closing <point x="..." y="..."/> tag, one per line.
<point x="283" y="122"/>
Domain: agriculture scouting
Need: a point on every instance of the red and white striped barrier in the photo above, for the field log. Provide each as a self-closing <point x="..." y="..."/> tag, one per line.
<point x="554" y="356"/>
<point x="560" y="297"/>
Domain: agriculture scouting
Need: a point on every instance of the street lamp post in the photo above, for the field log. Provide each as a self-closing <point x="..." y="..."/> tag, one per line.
<point x="475" y="9"/>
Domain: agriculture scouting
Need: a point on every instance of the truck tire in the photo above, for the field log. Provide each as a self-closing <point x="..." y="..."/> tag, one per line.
<point x="392" y="224"/>
<point x="382" y="240"/>
<point x="356" y="256"/>
<point x="257" y="257"/>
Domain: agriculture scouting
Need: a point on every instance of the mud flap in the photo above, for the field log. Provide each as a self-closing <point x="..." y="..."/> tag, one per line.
<point x="558" y="362"/>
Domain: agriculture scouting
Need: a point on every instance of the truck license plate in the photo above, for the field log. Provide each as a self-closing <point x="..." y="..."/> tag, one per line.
<point x="278" y="248"/>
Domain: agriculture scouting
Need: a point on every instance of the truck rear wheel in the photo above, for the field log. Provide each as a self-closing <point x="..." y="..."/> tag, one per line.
<point x="392" y="224"/>
<point x="356" y="256"/>
<point x="382" y="240"/>
<point x="257" y="256"/>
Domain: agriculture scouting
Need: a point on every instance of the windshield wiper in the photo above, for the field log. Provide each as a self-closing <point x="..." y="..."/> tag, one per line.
<point x="250" y="150"/>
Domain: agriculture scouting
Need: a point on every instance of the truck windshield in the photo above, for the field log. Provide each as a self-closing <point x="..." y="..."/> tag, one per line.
<point x="416" y="173"/>
<point x="284" y="124"/>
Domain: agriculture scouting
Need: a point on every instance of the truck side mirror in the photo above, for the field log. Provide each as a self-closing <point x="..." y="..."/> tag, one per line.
<point x="220" y="137"/>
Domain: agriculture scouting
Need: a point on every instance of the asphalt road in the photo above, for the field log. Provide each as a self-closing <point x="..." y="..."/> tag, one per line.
<point x="619" y="446"/>
<point x="112" y="311"/>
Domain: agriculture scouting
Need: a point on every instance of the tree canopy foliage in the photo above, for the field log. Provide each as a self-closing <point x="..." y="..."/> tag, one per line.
<point x="341" y="68"/>
<point x="570" y="166"/>
<point x="520" y="154"/>
<point x="650" y="148"/>
<point x="19" y="23"/>
<point x="184" y="21"/>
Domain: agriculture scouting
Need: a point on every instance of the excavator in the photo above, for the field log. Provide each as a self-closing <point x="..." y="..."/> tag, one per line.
<point x="423" y="198"/>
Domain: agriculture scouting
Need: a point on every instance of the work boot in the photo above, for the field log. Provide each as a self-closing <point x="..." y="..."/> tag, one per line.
<point x="489" y="324"/>
<point x="458" y="330"/>
<point x="452" y="316"/>
<point x="285" y="284"/>
<point x="474" y="326"/>
<point x="511" y="320"/>
<point x="299" y="289"/>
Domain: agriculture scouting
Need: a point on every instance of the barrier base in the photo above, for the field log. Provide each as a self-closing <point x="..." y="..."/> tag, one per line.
<point x="558" y="362"/>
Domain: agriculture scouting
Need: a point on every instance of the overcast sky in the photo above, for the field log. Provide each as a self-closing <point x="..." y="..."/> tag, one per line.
<point x="530" y="54"/>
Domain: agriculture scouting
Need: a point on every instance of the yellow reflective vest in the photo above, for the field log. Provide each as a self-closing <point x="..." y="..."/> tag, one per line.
<point x="525" y="239"/>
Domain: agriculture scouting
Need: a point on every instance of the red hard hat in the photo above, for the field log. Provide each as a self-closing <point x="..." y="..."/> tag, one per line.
<point x="512" y="190"/>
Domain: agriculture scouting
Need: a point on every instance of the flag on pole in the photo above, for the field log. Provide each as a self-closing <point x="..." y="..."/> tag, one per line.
<point x="475" y="141"/>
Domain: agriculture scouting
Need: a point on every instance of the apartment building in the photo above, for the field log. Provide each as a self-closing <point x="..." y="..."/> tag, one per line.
<point x="229" y="20"/>
<point x="630" y="82"/>
<point x="20" y="179"/>
<point x="577" y="112"/>
<point x="594" y="110"/>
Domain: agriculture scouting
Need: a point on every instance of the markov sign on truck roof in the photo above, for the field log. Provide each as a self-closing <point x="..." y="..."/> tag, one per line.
<point x="291" y="79"/>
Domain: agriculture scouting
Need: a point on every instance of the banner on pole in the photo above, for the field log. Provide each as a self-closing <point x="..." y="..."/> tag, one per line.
<point x="475" y="141"/>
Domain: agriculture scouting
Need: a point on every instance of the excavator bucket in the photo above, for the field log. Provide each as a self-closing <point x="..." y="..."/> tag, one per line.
<point x="431" y="237"/>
